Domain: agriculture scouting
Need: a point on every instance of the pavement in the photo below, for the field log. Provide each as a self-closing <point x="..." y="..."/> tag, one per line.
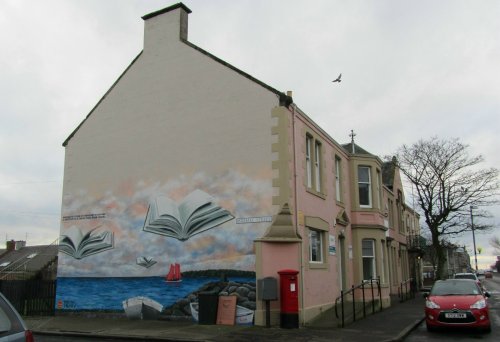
<point x="391" y="324"/>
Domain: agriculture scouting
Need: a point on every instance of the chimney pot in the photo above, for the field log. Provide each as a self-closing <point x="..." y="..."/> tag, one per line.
<point x="11" y="245"/>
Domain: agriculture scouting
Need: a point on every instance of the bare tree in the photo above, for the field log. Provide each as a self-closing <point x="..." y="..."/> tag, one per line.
<point x="495" y="243"/>
<point x="448" y="184"/>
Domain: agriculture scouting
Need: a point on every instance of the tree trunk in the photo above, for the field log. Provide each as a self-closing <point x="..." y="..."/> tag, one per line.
<point x="440" y="255"/>
<point x="442" y="272"/>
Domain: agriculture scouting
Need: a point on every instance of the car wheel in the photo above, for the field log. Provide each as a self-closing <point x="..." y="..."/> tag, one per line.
<point x="430" y="328"/>
<point x="487" y="330"/>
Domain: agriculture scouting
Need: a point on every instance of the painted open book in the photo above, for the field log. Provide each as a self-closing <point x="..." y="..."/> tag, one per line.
<point x="196" y="213"/>
<point x="145" y="261"/>
<point x="79" y="245"/>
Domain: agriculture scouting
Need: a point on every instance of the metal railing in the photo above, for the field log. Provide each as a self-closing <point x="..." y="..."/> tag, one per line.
<point x="406" y="290"/>
<point x="360" y="290"/>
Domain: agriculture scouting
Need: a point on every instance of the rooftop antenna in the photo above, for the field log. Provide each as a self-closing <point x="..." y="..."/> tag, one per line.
<point x="352" y="135"/>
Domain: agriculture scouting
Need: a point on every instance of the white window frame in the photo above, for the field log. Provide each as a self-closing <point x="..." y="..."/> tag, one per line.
<point x="379" y="191"/>
<point x="317" y="165"/>
<point x="309" y="141"/>
<point x="368" y="168"/>
<point x="382" y="263"/>
<point x="368" y="259"/>
<point x="316" y="243"/>
<point x="337" y="179"/>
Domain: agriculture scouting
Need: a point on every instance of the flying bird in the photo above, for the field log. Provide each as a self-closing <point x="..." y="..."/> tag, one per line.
<point x="338" y="79"/>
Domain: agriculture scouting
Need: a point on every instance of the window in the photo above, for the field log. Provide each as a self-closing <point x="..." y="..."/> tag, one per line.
<point x="400" y="208"/>
<point x="382" y="267"/>
<point x="378" y="190"/>
<point x="315" y="246"/>
<point x="308" y="161"/>
<point x="337" y="179"/>
<point x="364" y="186"/>
<point x="368" y="254"/>
<point x="317" y="165"/>
<point x="390" y="205"/>
<point x="313" y="164"/>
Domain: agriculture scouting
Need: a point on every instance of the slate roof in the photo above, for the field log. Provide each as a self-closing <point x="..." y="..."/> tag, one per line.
<point x="357" y="149"/>
<point x="28" y="259"/>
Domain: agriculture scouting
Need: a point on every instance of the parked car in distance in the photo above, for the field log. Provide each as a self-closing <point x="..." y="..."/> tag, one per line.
<point x="488" y="274"/>
<point x="12" y="326"/>
<point x="457" y="303"/>
<point x="471" y="276"/>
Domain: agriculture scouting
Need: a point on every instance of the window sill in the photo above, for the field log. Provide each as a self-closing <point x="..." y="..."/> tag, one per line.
<point x="315" y="193"/>
<point x="318" y="265"/>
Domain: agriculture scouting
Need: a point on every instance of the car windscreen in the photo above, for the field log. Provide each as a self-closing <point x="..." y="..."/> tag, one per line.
<point x="9" y="321"/>
<point x="4" y="322"/>
<point x="465" y="276"/>
<point x="448" y="288"/>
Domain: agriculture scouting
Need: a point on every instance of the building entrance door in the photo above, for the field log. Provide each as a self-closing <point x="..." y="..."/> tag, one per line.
<point x="342" y="263"/>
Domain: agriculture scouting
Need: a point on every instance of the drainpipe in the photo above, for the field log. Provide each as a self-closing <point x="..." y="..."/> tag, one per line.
<point x="289" y="93"/>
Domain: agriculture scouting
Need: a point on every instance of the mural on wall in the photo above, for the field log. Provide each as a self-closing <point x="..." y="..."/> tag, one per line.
<point x="125" y="245"/>
<point x="79" y="245"/>
<point x="195" y="214"/>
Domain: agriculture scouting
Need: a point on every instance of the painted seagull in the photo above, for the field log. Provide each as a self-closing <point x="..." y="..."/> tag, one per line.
<point x="338" y="79"/>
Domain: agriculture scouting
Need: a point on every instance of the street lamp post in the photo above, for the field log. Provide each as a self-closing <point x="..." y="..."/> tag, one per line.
<point x="473" y="234"/>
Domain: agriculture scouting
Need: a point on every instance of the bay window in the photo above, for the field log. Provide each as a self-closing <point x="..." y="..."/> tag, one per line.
<point x="368" y="255"/>
<point x="364" y="187"/>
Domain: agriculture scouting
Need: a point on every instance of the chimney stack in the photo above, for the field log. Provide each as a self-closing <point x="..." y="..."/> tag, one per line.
<point x="20" y="244"/>
<point x="164" y="26"/>
<point x="11" y="245"/>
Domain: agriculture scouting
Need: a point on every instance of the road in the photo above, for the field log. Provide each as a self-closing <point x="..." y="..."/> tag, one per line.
<point x="51" y="338"/>
<point x="493" y="287"/>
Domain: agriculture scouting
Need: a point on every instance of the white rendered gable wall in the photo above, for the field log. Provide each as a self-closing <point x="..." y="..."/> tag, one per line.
<point x="173" y="106"/>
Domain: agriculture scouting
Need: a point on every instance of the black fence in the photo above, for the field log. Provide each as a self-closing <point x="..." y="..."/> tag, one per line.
<point x="31" y="297"/>
<point x="354" y="300"/>
<point x="407" y="289"/>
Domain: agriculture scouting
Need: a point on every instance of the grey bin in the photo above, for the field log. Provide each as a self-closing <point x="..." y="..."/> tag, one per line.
<point x="207" y="307"/>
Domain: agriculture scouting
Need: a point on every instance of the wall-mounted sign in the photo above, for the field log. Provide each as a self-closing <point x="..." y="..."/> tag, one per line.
<point x="242" y="220"/>
<point x="84" y="217"/>
<point x="332" y="249"/>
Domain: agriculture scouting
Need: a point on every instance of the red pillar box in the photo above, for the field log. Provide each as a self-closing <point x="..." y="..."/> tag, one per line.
<point x="289" y="296"/>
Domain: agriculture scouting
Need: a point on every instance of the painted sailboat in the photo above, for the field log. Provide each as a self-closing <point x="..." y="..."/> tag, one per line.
<point x="244" y="316"/>
<point x="174" y="274"/>
<point x="142" y="308"/>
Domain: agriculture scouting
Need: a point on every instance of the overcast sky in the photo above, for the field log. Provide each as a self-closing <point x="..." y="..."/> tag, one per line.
<point x="410" y="70"/>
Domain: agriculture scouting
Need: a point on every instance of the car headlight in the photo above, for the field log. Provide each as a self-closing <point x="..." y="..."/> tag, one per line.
<point x="431" y="305"/>
<point x="480" y="304"/>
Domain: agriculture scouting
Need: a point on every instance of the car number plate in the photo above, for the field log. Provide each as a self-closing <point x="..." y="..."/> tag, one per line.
<point x="455" y="315"/>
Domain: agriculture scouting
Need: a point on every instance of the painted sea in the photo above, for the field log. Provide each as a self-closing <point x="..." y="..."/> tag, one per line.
<point x="109" y="293"/>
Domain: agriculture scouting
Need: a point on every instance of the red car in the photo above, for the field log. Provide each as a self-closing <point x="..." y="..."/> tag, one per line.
<point x="457" y="303"/>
